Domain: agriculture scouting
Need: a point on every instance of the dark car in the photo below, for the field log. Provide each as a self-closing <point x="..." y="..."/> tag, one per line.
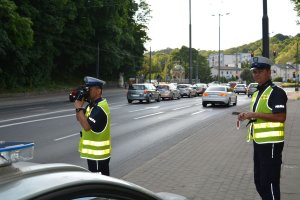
<point x="143" y="92"/>
<point x="24" y="180"/>
<point x="200" y="88"/>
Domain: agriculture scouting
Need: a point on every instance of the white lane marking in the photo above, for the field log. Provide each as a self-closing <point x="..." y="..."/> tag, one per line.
<point x="198" y="112"/>
<point x="75" y="134"/>
<point x="147" y="108"/>
<point x="37" y="115"/>
<point x="37" y="120"/>
<point x="148" y="115"/>
<point x="181" y="107"/>
<point x="117" y="107"/>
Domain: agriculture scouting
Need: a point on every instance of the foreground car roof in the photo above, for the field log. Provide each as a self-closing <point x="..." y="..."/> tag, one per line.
<point x="63" y="181"/>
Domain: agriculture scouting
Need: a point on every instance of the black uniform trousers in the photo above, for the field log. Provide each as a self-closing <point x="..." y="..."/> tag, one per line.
<point x="99" y="166"/>
<point x="267" y="166"/>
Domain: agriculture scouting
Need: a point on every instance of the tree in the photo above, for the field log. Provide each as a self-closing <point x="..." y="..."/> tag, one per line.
<point x="246" y="75"/>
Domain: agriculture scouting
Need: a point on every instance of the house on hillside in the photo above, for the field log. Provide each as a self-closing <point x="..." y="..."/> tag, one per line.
<point x="230" y="65"/>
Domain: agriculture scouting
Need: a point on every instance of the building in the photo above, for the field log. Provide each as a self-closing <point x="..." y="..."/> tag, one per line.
<point x="230" y="65"/>
<point x="285" y="71"/>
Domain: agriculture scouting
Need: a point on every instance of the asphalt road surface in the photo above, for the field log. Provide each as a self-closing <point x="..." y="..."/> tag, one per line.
<point x="140" y="131"/>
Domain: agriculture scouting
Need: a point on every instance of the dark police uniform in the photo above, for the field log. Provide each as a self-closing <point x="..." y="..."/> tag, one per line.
<point x="268" y="149"/>
<point x="95" y="144"/>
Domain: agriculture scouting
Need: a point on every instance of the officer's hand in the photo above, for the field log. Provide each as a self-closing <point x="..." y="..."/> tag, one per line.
<point x="78" y="104"/>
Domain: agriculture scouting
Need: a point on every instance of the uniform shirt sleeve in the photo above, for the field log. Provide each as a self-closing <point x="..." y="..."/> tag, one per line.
<point x="98" y="119"/>
<point x="278" y="100"/>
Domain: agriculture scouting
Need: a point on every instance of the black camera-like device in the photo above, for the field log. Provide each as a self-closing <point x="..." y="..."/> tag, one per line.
<point x="82" y="92"/>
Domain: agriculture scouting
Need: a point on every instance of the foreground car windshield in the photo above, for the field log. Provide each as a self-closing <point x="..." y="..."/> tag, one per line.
<point x="216" y="89"/>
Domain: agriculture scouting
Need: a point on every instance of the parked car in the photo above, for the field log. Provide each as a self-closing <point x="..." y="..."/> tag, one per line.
<point x="240" y="88"/>
<point x="200" y="88"/>
<point x="168" y="91"/>
<point x="186" y="90"/>
<point x="143" y="91"/>
<point x="219" y="95"/>
<point x="252" y="87"/>
<point x="25" y="180"/>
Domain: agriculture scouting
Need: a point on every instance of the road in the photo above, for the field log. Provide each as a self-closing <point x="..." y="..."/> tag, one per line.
<point x="140" y="131"/>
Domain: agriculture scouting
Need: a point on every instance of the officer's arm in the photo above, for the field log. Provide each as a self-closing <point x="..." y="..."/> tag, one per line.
<point x="83" y="120"/>
<point x="271" y="117"/>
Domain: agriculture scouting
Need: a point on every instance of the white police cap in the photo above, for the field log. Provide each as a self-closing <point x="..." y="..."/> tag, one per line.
<point x="260" y="62"/>
<point x="91" y="81"/>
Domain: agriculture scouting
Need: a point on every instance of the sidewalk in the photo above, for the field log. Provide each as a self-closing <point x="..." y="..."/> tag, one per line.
<point x="215" y="163"/>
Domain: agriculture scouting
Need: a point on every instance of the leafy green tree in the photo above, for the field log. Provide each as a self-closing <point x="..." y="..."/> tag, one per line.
<point x="246" y="75"/>
<point x="16" y="36"/>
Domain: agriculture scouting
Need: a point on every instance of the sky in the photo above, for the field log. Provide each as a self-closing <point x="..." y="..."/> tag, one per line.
<point x="169" y="25"/>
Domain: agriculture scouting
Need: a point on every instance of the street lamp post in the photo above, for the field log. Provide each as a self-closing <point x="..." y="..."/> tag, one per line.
<point x="219" y="57"/>
<point x="265" y="30"/>
<point x="190" y="42"/>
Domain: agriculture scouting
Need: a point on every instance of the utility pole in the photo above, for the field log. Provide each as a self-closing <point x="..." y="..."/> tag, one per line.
<point x="265" y="30"/>
<point x="97" y="67"/>
<point x="190" y="49"/>
<point x="297" y="69"/>
<point x="150" y="65"/>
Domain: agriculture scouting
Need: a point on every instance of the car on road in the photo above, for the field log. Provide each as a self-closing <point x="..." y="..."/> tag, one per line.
<point x="252" y="87"/>
<point x="25" y="180"/>
<point x="143" y="92"/>
<point x="240" y="88"/>
<point x="186" y="90"/>
<point x="168" y="91"/>
<point x="200" y="88"/>
<point x="219" y="94"/>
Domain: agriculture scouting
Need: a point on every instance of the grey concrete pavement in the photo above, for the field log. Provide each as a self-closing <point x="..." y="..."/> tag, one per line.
<point x="215" y="163"/>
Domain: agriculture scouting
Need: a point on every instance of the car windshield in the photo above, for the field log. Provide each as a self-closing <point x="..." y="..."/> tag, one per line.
<point x="162" y="87"/>
<point x="138" y="87"/>
<point x="253" y="85"/>
<point x="183" y="86"/>
<point x="216" y="89"/>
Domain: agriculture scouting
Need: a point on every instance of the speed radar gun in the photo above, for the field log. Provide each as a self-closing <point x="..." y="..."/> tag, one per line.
<point x="83" y="91"/>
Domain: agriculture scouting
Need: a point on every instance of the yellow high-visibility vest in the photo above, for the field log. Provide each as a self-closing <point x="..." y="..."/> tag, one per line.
<point x="96" y="146"/>
<point x="264" y="131"/>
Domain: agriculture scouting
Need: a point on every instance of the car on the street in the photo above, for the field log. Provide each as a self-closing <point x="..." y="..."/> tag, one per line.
<point x="252" y="87"/>
<point x="186" y="90"/>
<point x="143" y="92"/>
<point x="168" y="91"/>
<point x="219" y="94"/>
<point x="200" y="88"/>
<point x="240" y="88"/>
<point x="28" y="181"/>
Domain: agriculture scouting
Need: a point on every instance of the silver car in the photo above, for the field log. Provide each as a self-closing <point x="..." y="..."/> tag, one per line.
<point x="219" y="95"/>
<point x="143" y="91"/>
<point x="24" y="180"/>
<point x="252" y="87"/>
<point x="168" y="91"/>
<point x="187" y="90"/>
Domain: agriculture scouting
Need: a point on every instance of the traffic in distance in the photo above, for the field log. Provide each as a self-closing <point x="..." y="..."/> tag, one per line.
<point x="212" y="93"/>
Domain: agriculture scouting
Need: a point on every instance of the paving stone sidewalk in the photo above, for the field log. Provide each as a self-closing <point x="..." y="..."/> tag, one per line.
<point x="215" y="163"/>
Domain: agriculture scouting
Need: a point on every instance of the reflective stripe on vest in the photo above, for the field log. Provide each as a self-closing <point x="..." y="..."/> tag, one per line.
<point x="264" y="131"/>
<point x="96" y="145"/>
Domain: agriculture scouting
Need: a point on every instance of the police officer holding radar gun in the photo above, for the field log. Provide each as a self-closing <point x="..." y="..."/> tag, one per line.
<point x="266" y="119"/>
<point x="95" y="140"/>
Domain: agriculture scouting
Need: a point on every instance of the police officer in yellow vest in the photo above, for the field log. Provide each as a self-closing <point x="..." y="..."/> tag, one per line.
<point x="266" y="119"/>
<point x="95" y="141"/>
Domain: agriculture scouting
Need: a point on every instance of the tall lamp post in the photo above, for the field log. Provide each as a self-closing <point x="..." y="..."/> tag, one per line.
<point x="190" y="42"/>
<point x="219" y="57"/>
<point x="265" y="30"/>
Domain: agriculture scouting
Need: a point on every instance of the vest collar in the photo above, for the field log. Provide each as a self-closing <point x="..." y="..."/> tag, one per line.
<point x="264" y="86"/>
